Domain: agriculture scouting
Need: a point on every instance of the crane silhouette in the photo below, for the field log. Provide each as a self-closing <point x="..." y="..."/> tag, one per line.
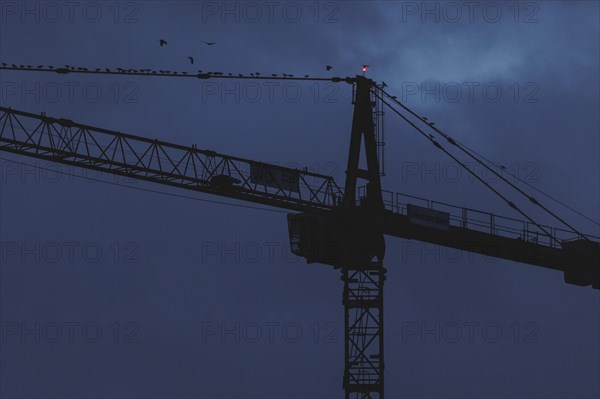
<point x="340" y="227"/>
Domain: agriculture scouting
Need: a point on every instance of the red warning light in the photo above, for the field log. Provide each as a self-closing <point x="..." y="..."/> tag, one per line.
<point x="364" y="68"/>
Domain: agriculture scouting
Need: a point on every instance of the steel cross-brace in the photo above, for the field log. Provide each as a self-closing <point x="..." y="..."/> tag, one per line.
<point x="363" y="333"/>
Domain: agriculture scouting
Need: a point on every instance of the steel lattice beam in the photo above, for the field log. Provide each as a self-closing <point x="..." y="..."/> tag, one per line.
<point x="67" y="142"/>
<point x="363" y="330"/>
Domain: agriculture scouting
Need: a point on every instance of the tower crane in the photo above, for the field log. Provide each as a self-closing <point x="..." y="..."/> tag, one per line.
<point x="340" y="227"/>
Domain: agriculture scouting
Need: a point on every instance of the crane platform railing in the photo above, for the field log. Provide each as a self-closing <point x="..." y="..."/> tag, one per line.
<point x="486" y="222"/>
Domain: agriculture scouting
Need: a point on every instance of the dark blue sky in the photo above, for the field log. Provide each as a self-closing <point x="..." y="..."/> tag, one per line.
<point x="521" y="87"/>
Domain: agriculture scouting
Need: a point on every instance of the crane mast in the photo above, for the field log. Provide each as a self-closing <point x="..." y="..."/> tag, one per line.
<point x="351" y="238"/>
<point x="363" y="282"/>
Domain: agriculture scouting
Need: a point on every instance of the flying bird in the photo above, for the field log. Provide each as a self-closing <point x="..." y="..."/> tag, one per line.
<point x="191" y="59"/>
<point x="162" y="42"/>
<point x="208" y="43"/>
<point x="328" y="67"/>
